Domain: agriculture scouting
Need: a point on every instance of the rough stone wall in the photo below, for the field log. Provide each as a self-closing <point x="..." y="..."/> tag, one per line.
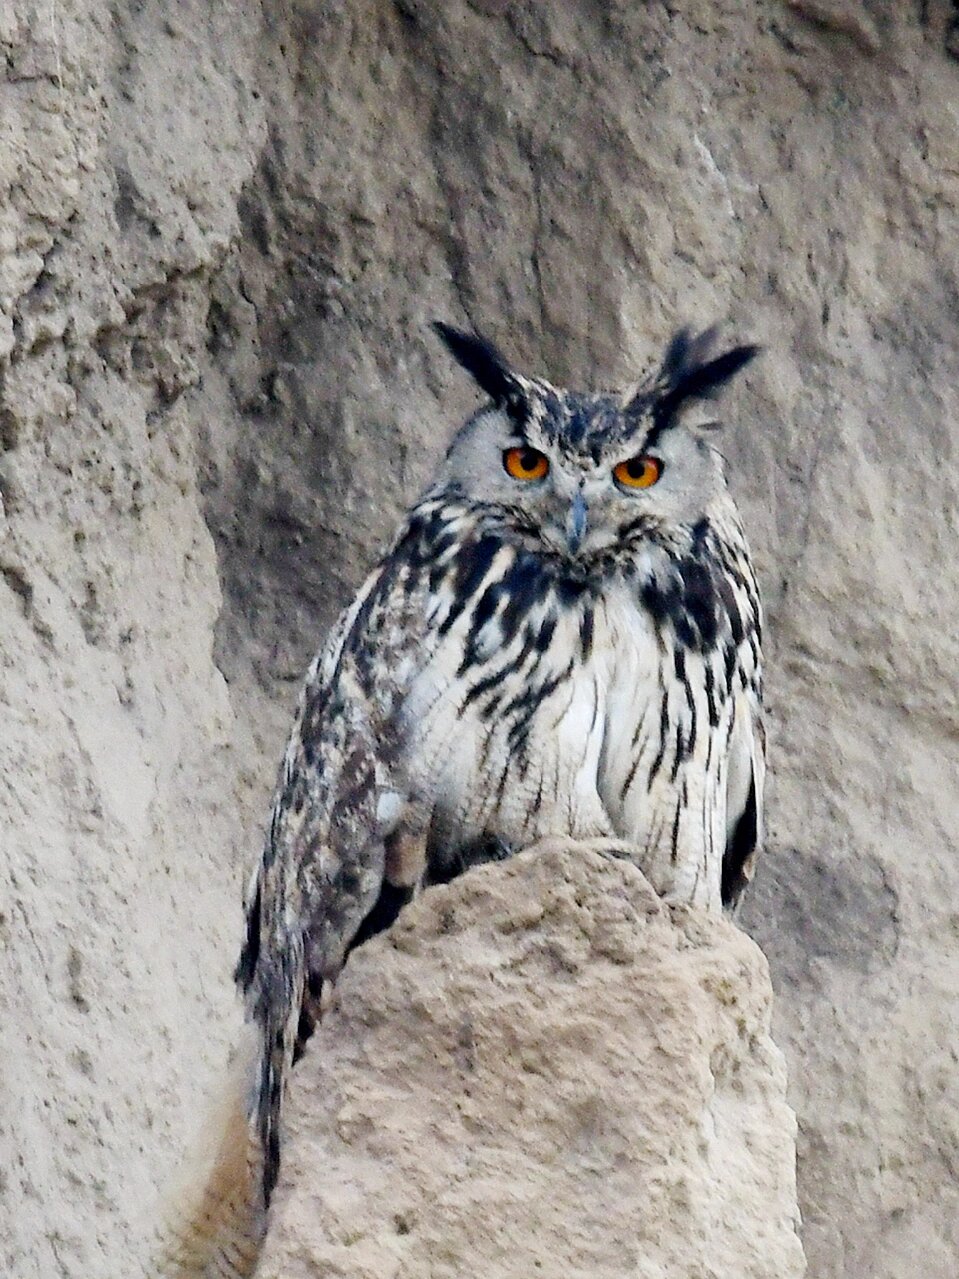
<point x="542" y="1071"/>
<point x="126" y="136"/>
<point x="223" y="230"/>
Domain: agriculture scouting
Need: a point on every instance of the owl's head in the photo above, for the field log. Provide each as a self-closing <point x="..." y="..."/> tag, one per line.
<point x="581" y="475"/>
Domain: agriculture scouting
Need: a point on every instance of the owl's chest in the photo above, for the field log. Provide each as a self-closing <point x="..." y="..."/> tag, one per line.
<point x="519" y="730"/>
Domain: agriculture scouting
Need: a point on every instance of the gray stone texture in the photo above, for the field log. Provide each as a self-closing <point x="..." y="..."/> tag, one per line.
<point x="223" y="231"/>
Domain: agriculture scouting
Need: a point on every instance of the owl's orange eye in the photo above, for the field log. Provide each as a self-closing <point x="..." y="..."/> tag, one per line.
<point x="638" y="472"/>
<point x="525" y="463"/>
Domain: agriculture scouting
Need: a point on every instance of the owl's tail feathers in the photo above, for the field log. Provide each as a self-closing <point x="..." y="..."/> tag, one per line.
<point x="216" y="1221"/>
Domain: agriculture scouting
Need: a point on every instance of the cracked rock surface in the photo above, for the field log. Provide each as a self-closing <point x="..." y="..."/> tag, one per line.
<point x="223" y="231"/>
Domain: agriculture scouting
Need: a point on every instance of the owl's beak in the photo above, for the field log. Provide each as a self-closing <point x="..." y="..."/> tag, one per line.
<point x="576" y="523"/>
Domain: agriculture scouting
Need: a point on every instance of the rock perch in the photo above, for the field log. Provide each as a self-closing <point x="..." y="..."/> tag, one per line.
<point x="541" y="1070"/>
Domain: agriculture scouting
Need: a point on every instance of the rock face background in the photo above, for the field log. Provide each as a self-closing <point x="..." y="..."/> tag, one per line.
<point x="223" y="230"/>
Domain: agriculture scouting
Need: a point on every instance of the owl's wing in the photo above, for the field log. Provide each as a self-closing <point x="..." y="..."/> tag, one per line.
<point x="744" y="797"/>
<point x="337" y="823"/>
<point x="342" y="850"/>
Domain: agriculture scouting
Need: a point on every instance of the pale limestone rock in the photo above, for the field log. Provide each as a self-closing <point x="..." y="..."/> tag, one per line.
<point x="543" y="1071"/>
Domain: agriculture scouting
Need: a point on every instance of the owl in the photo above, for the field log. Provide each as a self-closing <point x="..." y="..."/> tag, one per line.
<point x="562" y="640"/>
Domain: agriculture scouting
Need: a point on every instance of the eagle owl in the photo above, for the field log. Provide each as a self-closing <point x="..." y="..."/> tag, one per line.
<point x="563" y="639"/>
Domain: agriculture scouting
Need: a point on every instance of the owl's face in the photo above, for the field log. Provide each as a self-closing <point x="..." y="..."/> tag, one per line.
<point x="581" y="476"/>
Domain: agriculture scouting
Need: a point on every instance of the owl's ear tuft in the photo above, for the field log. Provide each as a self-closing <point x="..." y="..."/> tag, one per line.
<point x="484" y="363"/>
<point x="688" y="373"/>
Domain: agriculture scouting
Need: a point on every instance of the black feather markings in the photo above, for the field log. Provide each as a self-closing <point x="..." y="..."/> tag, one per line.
<point x="485" y="364"/>
<point x="250" y="953"/>
<point x="705" y="380"/>
<point x="687" y="373"/>
<point x="740" y="851"/>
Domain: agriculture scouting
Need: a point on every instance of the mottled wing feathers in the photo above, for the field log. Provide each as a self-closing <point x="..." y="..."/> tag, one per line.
<point x="322" y="864"/>
<point x="340" y="812"/>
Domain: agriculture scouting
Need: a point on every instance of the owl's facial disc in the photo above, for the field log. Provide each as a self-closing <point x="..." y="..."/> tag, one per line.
<point x="578" y="475"/>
